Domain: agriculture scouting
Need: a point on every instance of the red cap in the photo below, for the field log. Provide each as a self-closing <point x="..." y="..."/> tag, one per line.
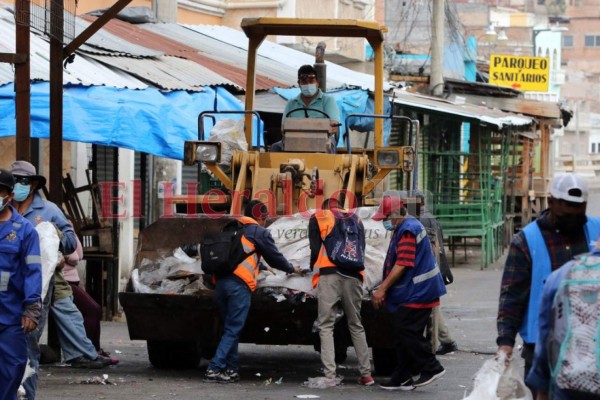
<point x="388" y="206"/>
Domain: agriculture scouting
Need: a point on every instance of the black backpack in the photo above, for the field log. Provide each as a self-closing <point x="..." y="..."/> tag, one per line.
<point x="345" y="243"/>
<point x="222" y="252"/>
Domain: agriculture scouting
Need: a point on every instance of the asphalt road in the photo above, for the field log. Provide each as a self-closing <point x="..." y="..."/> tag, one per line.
<point x="279" y="372"/>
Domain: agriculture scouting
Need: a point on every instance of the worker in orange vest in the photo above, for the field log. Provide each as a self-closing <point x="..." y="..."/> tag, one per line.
<point x="337" y="285"/>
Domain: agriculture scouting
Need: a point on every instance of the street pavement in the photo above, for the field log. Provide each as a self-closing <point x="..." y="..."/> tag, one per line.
<point x="278" y="372"/>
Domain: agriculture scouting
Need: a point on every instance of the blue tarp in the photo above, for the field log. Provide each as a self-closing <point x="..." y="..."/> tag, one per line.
<point x="350" y="101"/>
<point x="147" y="120"/>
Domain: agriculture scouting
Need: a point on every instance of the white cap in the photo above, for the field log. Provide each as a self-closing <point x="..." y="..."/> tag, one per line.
<point x="569" y="187"/>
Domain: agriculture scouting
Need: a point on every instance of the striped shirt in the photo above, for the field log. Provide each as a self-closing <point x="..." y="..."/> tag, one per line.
<point x="406" y="256"/>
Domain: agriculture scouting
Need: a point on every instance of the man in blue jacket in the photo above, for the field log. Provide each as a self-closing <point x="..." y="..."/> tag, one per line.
<point x="30" y="204"/>
<point x="20" y="289"/>
<point x="412" y="285"/>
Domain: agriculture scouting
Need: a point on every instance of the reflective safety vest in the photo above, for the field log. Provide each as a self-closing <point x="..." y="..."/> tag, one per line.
<point x="421" y="284"/>
<point x="541" y="267"/>
<point x="325" y="222"/>
<point x="247" y="270"/>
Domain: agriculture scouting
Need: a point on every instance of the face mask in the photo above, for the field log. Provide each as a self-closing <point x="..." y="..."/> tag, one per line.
<point x="21" y="191"/>
<point x="570" y="223"/>
<point x="309" y="90"/>
<point x="387" y="224"/>
<point x="2" y="198"/>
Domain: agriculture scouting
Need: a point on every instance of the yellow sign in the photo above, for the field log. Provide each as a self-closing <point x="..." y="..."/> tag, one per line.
<point x="521" y="73"/>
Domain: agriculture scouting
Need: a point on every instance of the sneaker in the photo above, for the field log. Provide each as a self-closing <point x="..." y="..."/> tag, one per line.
<point x="405" y="386"/>
<point x="446" y="348"/>
<point x="366" y="381"/>
<point x="216" y="376"/>
<point x="234" y="376"/>
<point x="427" y="377"/>
<point x="108" y="359"/>
<point x="86" y="363"/>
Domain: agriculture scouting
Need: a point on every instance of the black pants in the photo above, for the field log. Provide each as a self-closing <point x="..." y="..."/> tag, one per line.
<point x="413" y="350"/>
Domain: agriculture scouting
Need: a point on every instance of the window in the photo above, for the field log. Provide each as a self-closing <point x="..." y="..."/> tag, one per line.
<point x="592" y="41"/>
<point x="567" y="41"/>
<point x="593" y="147"/>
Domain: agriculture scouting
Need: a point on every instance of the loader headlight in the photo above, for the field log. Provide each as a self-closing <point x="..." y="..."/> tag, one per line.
<point x="208" y="152"/>
<point x="204" y="152"/>
<point x="388" y="158"/>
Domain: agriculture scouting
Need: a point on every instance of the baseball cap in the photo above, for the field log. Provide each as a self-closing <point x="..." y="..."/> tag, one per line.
<point x="387" y="206"/>
<point x="7" y="179"/>
<point x="23" y="168"/>
<point x="569" y="187"/>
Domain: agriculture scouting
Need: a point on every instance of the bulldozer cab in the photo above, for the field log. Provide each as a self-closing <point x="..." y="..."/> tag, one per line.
<point x="308" y="168"/>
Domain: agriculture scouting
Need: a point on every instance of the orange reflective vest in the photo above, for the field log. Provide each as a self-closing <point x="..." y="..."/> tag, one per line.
<point x="325" y="222"/>
<point x="247" y="270"/>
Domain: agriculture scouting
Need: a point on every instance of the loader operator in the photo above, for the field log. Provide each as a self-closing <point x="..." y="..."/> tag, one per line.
<point x="311" y="97"/>
<point x="233" y="292"/>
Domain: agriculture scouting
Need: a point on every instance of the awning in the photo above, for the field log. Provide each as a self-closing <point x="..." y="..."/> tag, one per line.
<point x="481" y="115"/>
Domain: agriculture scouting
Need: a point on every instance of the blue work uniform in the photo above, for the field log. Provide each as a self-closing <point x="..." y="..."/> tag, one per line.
<point x="20" y="286"/>
<point x="41" y="210"/>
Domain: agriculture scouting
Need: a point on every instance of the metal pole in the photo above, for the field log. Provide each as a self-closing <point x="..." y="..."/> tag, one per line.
<point x="22" y="86"/>
<point x="56" y="100"/>
<point x="436" y="79"/>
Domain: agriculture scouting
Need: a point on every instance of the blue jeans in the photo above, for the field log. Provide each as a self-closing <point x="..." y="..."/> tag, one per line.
<point x="13" y="358"/>
<point x="71" y="332"/>
<point x="33" y="345"/>
<point x="233" y="299"/>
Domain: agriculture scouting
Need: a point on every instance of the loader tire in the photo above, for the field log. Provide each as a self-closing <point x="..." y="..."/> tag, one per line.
<point x="173" y="355"/>
<point x="384" y="361"/>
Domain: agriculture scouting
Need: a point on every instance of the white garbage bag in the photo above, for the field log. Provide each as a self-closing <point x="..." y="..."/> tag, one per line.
<point x="49" y="242"/>
<point x="231" y="135"/>
<point x="496" y="381"/>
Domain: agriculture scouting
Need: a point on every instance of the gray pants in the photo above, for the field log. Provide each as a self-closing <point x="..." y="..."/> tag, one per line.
<point x="334" y="288"/>
<point x="440" y="334"/>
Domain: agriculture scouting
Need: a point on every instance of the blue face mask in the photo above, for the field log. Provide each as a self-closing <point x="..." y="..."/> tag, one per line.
<point x="387" y="224"/>
<point x="309" y="90"/>
<point x="21" y="191"/>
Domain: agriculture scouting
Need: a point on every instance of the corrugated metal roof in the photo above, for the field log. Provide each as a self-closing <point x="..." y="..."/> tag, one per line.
<point x="104" y="42"/>
<point x="167" y="73"/>
<point x="179" y="46"/>
<point x="535" y="108"/>
<point x="484" y="115"/>
<point x="83" y="71"/>
<point x="273" y="55"/>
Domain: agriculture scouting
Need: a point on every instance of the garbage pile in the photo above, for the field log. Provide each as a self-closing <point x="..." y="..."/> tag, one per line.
<point x="178" y="273"/>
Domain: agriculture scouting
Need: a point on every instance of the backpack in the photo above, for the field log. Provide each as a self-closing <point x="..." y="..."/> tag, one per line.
<point x="345" y="243"/>
<point x="574" y="341"/>
<point x="222" y="252"/>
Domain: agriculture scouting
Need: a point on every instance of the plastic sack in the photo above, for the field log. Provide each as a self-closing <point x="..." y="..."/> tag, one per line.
<point x="231" y="135"/>
<point x="49" y="242"/>
<point x="496" y="381"/>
